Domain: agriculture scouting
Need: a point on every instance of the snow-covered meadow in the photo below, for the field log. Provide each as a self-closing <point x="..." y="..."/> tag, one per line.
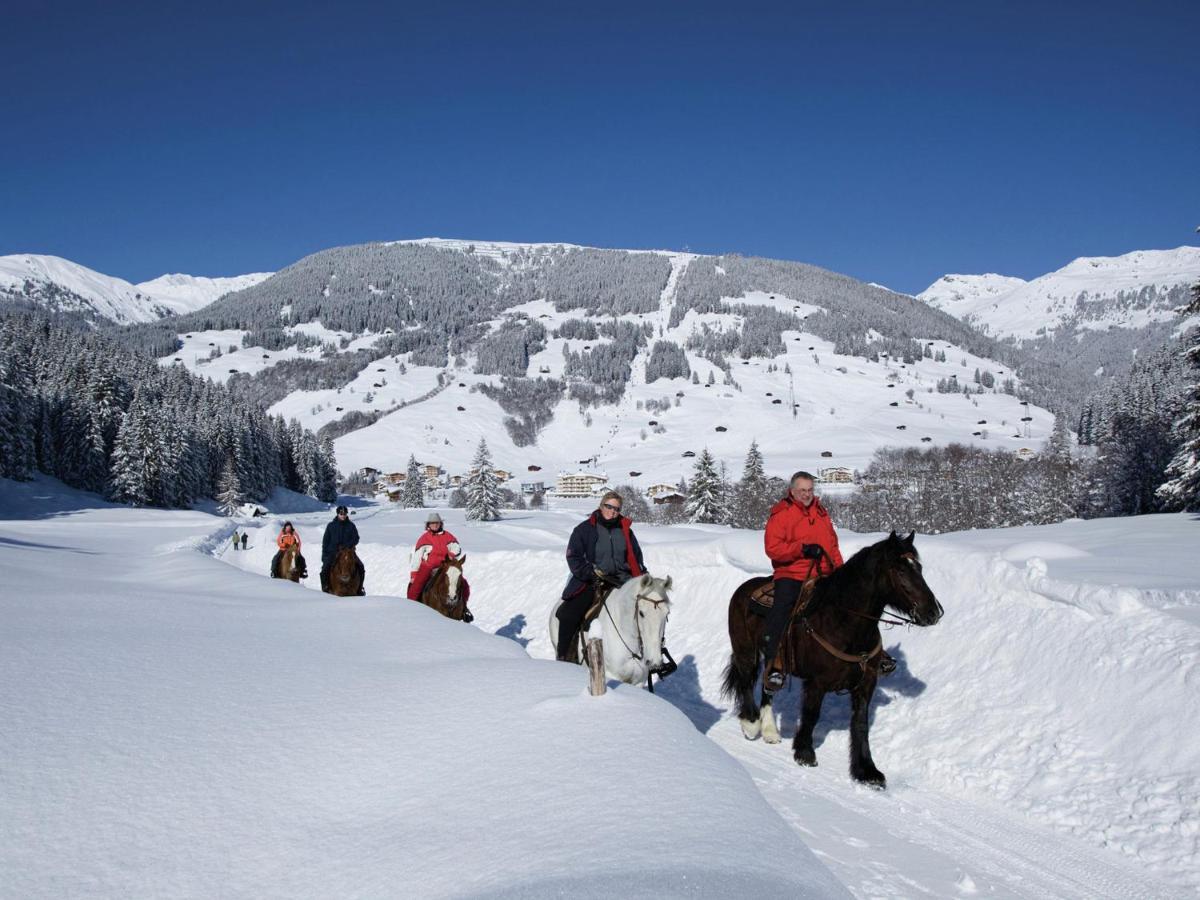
<point x="175" y="723"/>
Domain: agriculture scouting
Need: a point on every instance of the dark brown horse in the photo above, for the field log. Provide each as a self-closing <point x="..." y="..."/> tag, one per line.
<point x="833" y="645"/>
<point x="346" y="574"/>
<point x="444" y="591"/>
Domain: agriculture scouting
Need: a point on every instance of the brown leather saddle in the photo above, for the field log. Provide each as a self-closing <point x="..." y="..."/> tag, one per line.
<point x="762" y="598"/>
<point x="603" y="589"/>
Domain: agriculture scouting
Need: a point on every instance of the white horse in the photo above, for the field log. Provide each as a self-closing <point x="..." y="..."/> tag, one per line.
<point x="632" y="625"/>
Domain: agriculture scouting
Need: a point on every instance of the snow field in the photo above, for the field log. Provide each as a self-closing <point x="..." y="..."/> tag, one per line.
<point x="847" y="413"/>
<point x="1054" y="707"/>
<point x="173" y="727"/>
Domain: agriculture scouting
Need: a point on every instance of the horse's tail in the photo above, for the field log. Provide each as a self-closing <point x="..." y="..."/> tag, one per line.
<point x="742" y="670"/>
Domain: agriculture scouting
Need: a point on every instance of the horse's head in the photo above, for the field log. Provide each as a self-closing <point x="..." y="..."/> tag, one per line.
<point x="452" y="569"/>
<point x="344" y="567"/>
<point x="909" y="593"/>
<point x="653" y="605"/>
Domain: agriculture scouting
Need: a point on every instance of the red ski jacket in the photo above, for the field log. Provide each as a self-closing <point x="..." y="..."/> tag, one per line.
<point x="789" y="527"/>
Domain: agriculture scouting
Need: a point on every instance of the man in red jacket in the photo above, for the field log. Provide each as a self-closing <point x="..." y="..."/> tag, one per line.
<point x="801" y="544"/>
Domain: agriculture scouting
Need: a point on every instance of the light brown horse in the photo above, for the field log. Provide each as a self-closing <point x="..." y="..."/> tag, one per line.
<point x="289" y="563"/>
<point x="346" y="574"/>
<point x="445" y="590"/>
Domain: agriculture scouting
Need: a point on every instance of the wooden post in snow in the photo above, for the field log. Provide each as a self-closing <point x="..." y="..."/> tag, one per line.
<point x="593" y="653"/>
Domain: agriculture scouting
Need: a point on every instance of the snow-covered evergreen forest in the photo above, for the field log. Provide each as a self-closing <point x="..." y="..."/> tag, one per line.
<point x="76" y="405"/>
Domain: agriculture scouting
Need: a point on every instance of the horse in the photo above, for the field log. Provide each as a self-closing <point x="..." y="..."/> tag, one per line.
<point x="631" y="622"/>
<point x="441" y="591"/>
<point x="289" y="563"/>
<point x="345" y="575"/>
<point x="833" y="644"/>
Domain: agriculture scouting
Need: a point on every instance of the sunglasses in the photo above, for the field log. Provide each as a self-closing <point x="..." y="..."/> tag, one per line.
<point x="610" y="506"/>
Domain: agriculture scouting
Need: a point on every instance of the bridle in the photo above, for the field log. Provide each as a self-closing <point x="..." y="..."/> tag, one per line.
<point x="638" y="598"/>
<point x="863" y="660"/>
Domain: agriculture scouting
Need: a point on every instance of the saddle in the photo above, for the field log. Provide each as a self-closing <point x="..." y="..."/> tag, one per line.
<point x="762" y="598"/>
<point x="603" y="588"/>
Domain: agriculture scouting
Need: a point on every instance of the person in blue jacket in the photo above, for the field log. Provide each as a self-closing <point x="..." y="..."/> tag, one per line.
<point x="603" y="542"/>
<point x="339" y="533"/>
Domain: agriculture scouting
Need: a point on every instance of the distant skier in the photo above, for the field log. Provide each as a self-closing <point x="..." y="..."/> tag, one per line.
<point x="245" y="537"/>
<point x="235" y="539"/>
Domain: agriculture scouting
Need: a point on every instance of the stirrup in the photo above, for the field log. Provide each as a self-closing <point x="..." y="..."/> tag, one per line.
<point x="887" y="665"/>
<point x="773" y="682"/>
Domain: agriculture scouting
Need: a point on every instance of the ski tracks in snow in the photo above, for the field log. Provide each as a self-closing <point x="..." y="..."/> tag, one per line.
<point x="909" y="843"/>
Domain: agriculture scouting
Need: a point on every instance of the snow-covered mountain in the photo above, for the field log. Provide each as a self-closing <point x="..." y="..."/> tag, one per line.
<point x="818" y="368"/>
<point x="1088" y="294"/>
<point x="58" y="284"/>
<point x="187" y="293"/>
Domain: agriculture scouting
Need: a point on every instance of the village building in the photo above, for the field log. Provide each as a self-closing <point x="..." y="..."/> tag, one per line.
<point x="580" y="484"/>
<point x="835" y="475"/>
<point x="657" y="489"/>
<point x="669" y="498"/>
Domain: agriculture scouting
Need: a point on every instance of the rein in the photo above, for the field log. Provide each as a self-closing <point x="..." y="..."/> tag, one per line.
<point x="641" y="645"/>
<point x="860" y="659"/>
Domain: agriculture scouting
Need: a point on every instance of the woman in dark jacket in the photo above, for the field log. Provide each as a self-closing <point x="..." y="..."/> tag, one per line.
<point x="603" y="541"/>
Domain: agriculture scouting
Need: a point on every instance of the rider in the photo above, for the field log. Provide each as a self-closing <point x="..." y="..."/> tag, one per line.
<point x="430" y="552"/>
<point x="801" y="543"/>
<point x="339" y="533"/>
<point x="603" y="541"/>
<point x="288" y="537"/>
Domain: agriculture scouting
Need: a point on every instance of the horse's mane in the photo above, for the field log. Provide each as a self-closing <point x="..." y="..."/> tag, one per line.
<point x="853" y="577"/>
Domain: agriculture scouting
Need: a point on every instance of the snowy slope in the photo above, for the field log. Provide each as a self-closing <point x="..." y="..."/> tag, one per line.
<point x="67" y="286"/>
<point x="1127" y="291"/>
<point x="178" y="727"/>
<point x="1040" y="741"/>
<point x="187" y="293"/>
<point x="175" y="727"/>
<point x="841" y="405"/>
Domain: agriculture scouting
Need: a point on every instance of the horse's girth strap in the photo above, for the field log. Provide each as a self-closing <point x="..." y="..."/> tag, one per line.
<point x="861" y="659"/>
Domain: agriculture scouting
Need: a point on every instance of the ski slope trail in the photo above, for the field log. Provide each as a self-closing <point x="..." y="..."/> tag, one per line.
<point x="912" y="842"/>
<point x="1041" y="740"/>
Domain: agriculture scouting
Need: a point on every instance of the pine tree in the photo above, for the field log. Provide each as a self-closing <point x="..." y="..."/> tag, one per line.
<point x="751" y="501"/>
<point x="706" y="500"/>
<point x="1181" y="490"/>
<point x="483" y="488"/>
<point x="229" y="490"/>
<point x="413" y="494"/>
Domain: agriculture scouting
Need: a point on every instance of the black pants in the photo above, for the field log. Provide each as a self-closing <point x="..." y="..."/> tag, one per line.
<point x="787" y="592"/>
<point x="570" y="614"/>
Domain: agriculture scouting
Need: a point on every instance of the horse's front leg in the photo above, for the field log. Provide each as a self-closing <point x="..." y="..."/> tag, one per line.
<point x="810" y="714"/>
<point x="862" y="767"/>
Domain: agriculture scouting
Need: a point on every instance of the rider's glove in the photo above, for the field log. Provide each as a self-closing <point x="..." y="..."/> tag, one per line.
<point x="811" y="551"/>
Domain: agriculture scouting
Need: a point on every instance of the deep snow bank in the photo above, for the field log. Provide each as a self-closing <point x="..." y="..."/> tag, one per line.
<point x="174" y="728"/>
<point x="1061" y="685"/>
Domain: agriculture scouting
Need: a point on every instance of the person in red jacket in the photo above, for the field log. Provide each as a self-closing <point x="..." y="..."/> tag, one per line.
<point x="430" y="552"/>
<point x="801" y="543"/>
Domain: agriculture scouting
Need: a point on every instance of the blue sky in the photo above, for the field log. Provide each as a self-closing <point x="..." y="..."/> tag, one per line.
<point x="892" y="141"/>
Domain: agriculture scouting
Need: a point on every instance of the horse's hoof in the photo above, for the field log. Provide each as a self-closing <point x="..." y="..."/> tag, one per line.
<point x="770" y="733"/>
<point x="871" y="778"/>
<point x="805" y="757"/>
<point x="751" y="729"/>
